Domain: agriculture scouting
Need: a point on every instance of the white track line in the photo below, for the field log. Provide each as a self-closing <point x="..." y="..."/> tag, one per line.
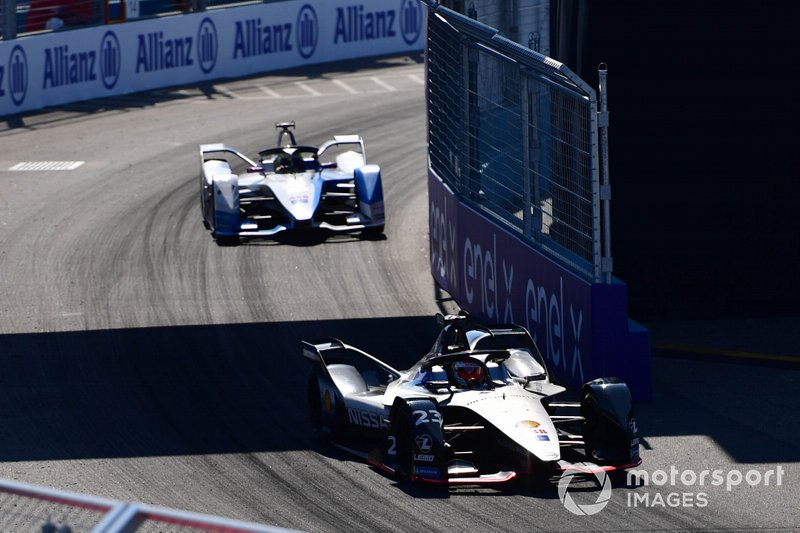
<point x="382" y="83"/>
<point x="269" y="92"/>
<point x="417" y="78"/>
<point x="306" y="88"/>
<point x="344" y="86"/>
<point x="227" y="92"/>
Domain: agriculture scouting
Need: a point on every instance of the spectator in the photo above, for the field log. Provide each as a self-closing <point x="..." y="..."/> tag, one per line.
<point x="56" y="14"/>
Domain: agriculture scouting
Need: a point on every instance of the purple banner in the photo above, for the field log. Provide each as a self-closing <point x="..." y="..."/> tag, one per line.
<point x="582" y="329"/>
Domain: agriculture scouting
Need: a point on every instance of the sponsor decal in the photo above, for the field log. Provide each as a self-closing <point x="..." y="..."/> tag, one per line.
<point x="634" y="427"/>
<point x="499" y="282"/>
<point x="367" y="419"/>
<point x="423" y="457"/>
<point x="427" y="471"/>
<point x="307" y="33"/>
<point x="207" y="47"/>
<point x="299" y="199"/>
<point x="255" y="38"/>
<point x="527" y="424"/>
<point x="18" y="75"/>
<point x="156" y="51"/>
<point x="543" y="437"/>
<point x="410" y="20"/>
<point x="424" y="443"/>
<point x="110" y="60"/>
<point x="354" y="24"/>
<point x="328" y="402"/>
<point x="65" y="67"/>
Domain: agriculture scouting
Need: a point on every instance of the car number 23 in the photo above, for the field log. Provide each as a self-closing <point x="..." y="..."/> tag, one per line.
<point x="421" y="417"/>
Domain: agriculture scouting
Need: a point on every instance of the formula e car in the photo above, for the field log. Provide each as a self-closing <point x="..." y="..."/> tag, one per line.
<point x="477" y="409"/>
<point x="290" y="187"/>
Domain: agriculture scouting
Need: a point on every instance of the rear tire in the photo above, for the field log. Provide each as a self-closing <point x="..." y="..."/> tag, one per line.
<point x="315" y="408"/>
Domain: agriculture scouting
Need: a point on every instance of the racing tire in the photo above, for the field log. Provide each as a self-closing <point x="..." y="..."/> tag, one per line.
<point x="314" y="408"/>
<point x="591" y="425"/>
<point x="599" y="434"/>
<point x="401" y="427"/>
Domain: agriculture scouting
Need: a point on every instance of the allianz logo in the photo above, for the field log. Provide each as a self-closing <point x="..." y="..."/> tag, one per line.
<point x="156" y="51"/>
<point x="17" y="75"/>
<point x="356" y="23"/>
<point x="64" y="66"/>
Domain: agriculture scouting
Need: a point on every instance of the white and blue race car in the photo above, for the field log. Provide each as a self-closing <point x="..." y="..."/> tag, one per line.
<point x="290" y="187"/>
<point x="479" y="408"/>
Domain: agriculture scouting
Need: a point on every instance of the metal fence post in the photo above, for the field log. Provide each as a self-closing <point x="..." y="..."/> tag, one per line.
<point x="527" y="182"/>
<point x="472" y="126"/>
<point x="8" y="25"/>
<point x="605" y="185"/>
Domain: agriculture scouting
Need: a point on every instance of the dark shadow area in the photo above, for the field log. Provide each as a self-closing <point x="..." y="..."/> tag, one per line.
<point x="239" y="388"/>
<point x="174" y="390"/>
<point x="86" y="109"/>
<point x="703" y="159"/>
<point x="307" y="237"/>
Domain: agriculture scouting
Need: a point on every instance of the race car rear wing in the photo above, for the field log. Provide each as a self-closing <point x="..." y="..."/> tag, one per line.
<point x="342" y="140"/>
<point x="313" y="350"/>
<point x="331" y="350"/>
<point x="219" y="148"/>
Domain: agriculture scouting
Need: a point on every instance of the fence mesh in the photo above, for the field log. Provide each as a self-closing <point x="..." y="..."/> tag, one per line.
<point x="21" y="512"/>
<point x="515" y="138"/>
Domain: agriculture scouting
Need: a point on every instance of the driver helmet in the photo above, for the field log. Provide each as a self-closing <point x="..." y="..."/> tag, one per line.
<point x="298" y="165"/>
<point x="468" y="373"/>
<point x="283" y="163"/>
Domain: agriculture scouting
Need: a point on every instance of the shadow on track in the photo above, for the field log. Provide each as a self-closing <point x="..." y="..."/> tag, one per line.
<point x="86" y="110"/>
<point x="305" y="238"/>
<point x="174" y="390"/>
<point x="240" y="388"/>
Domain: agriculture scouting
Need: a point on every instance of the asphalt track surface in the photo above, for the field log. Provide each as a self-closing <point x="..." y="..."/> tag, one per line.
<point x="142" y="362"/>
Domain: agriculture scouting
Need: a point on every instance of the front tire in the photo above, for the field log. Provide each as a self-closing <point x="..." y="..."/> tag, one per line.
<point x="401" y="427"/>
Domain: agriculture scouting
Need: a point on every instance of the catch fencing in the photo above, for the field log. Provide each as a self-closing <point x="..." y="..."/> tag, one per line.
<point x="519" y="200"/>
<point x="25" y="507"/>
<point x="514" y="134"/>
<point x="24" y="17"/>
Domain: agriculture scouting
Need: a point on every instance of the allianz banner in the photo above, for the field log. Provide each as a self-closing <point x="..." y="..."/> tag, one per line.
<point x="62" y="67"/>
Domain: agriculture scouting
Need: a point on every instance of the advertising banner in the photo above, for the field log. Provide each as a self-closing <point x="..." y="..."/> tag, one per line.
<point x="581" y="328"/>
<point x="68" y="66"/>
